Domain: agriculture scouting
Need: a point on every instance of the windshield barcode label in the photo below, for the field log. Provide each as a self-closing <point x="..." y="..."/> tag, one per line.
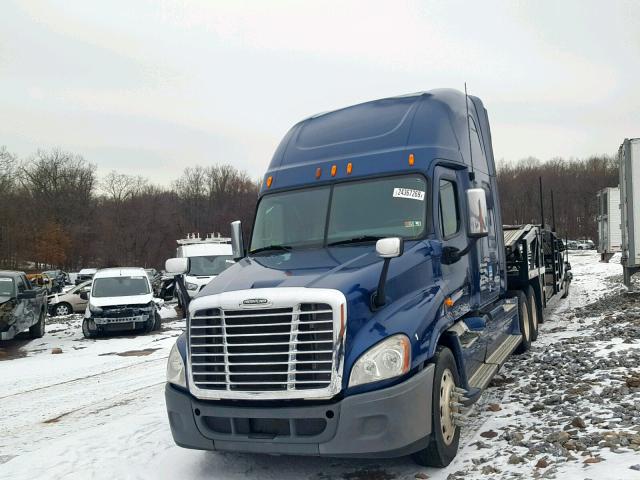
<point x="408" y="193"/>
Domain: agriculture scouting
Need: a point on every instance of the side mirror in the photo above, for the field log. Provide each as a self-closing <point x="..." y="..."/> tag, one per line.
<point x="84" y="296"/>
<point x="390" y="247"/>
<point x="386" y="248"/>
<point x="177" y="266"/>
<point x="477" y="207"/>
<point x="237" y="240"/>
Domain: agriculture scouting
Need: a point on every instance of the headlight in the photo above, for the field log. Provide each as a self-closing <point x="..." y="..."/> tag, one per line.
<point x="95" y="310"/>
<point x="191" y="286"/>
<point x="175" y="368"/>
<point x="389" y="358"/>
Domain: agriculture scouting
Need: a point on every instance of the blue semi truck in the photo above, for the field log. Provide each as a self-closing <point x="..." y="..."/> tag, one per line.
<point x="376" y="298"/>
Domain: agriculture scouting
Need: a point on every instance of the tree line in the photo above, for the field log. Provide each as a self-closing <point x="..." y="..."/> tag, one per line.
<point x="572" y="184"/>
<point x="56" y="213"/>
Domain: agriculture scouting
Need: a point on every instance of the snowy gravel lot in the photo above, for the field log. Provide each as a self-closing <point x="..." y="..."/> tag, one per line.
<point x="568" y="409"/>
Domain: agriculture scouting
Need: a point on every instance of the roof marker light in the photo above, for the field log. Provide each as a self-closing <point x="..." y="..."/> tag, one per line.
<point x="318" y="172"/>
<point x="334" y="170"/>
<point x="412" y="159"/>
<point x="269" y="181"/>
<point x="349" y="168"/>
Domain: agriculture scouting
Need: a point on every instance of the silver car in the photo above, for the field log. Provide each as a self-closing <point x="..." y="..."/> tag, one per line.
<point x="70" y="302"/>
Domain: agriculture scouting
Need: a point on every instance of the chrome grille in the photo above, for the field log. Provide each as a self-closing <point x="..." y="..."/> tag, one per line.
<point x="259" y="350"/>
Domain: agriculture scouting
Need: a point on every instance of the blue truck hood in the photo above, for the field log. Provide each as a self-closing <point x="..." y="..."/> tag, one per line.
<point x="320" y="268"/>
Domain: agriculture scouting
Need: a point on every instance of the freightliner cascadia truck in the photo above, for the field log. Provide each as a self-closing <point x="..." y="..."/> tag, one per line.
<point x="377" y="295"/>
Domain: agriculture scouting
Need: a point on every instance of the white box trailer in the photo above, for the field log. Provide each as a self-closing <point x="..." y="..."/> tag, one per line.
<point x="629" y="157"/>
<point x="609" y="221"/>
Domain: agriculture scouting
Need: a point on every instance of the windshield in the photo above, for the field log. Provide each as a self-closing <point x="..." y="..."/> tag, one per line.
<point x="6" y="287"/>
<point x="120" y="286"/>
<point x="208" y="265"/>
<point x="364" y="210"/>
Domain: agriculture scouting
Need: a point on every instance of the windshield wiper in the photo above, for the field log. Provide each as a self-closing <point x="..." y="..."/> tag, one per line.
<point x="361" y="239"/>
<point x="286" y="248"/>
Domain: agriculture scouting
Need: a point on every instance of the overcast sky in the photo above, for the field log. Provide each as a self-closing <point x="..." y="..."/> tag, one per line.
<point x="150" y="87"/>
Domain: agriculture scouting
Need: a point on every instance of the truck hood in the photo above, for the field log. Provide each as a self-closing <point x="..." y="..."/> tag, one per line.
<point x="336" y="267"/>
<point x="129" y="300"/>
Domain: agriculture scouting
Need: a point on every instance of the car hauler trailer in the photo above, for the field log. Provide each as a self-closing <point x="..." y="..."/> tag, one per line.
<point x="375" y="300"/>
<point x="609" y="221"/>
<point x="629" y="160"/>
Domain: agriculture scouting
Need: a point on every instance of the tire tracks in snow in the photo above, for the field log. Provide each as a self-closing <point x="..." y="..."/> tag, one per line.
<point x="79" y="379"/>
<point x="64" y="399"/>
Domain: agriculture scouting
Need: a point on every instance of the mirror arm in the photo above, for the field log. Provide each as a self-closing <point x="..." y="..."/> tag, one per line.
<point x="452" y="254"/>
<point x="378" y="298"/>
<point x="179" y="279"/>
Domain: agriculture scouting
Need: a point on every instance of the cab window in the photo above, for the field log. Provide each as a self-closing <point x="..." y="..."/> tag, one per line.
<point x="449" y="211"/>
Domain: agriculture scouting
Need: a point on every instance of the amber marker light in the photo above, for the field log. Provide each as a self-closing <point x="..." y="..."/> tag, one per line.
<point x="412" y="159"/>
<point x="334" y="170"/>
<point x="349" y="168"/>
<point x="318" y="172"/>
<point x="269" y="181"/>
<point x="449" y="302"/>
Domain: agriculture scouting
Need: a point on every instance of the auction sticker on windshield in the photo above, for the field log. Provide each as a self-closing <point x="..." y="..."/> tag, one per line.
<point x="6" y="280"/>
<point x="408" y="193"/>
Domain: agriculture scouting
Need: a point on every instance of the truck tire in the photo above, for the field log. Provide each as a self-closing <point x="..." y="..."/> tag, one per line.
<point x="534" y="312"/>
<point x="445" y="436"/>
<point x="525" y="320"/>
<point x="158" y="323"/>
<point x="88" y="330"/>
<point x="37" y="330"/>
<point x="566" y="290"/>
<point x="61" y="309"/>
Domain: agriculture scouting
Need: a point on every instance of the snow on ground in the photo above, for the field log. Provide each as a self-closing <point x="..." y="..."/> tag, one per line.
<point x="569" y="409"/>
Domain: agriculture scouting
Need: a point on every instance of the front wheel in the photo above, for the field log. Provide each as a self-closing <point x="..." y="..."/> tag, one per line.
<point x="158" y="322"/>
<point x="89" y="329"/>
<point x="445" y="436"/>
<point x="37" y="330"/>
<point x="62" y="309"/>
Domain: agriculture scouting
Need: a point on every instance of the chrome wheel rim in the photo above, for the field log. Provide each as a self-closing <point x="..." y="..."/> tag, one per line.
<point x="62" y="310"/>
<point x="447" y="396"/>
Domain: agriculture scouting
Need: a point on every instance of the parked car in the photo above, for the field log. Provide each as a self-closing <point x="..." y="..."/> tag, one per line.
<point x="155" y="278"/>
<point x="42" y="280"/>
<point x="22" y="306"/>
<point x="85" y="274"/>
<point x="572" y="245"/>
<point x="120" y="299"/>
<point x="60" y="279"/>
<point x="61" y="304"/>
<point x="585" y="245"/>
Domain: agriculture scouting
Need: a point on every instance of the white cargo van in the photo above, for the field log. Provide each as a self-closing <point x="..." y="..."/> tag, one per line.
<point x="208" y="258"/>
<point x="120" y="299"/>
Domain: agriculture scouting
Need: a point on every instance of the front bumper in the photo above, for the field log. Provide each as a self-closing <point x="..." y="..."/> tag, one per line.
<point x="391" y="422"/>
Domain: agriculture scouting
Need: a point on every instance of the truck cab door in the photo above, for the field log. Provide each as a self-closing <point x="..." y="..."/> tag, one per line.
<point x="450" y="229"/>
